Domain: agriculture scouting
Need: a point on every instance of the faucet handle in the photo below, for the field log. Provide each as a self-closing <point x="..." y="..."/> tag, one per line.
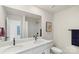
<point x="6" y="37"/>
<point x="34" y="35"/>
<point x="14" y="41"/>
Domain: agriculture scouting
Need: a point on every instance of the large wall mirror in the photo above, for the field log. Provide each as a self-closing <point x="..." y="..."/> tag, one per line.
<point x="20" y="24"/>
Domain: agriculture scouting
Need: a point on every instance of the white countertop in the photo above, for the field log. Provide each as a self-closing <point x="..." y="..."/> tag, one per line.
<point x="23" y="46"/>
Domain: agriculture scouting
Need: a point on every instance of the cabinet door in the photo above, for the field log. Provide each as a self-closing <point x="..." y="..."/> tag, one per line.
<point x="42" y="50"/>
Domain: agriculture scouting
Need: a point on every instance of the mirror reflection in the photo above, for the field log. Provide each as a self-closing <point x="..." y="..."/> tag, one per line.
<point x="20" y="24"/>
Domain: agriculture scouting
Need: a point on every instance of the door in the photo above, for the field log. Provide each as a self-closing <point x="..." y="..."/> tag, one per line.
<point x="14" y="29"/>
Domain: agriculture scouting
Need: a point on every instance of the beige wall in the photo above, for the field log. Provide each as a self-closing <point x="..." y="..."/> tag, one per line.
<point x="64" y="20"/>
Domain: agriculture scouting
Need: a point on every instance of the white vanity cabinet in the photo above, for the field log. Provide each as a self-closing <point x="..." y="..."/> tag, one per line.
<point x="42" y="49"/>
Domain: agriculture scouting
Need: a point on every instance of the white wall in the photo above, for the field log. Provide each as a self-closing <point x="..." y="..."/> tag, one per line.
<point x="2" y="17"/>
<point x="26" y="29"/>
<point x="33" y="26"/>
<point x="64" y="20"/>
<point x="45" y="17"/>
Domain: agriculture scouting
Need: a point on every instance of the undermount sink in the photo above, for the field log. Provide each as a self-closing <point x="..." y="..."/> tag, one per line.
<point x="16" y="46"/>
<point x="9" y="49"/>
<point x="38" y="41"/>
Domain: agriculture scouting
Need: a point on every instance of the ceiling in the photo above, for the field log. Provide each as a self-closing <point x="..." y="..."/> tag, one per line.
<point x="10" y="11"/>
<point x="54" y="8"/>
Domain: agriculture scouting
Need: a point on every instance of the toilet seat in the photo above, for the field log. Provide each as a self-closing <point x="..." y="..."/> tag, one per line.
<point x="56" y="50"/>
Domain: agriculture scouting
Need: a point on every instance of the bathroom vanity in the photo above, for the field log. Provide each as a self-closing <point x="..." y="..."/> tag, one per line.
<point x="41" y="46"/>
<point x="24" y="28"/>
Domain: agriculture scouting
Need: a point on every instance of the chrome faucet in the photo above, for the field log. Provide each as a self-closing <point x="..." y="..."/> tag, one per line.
<point x="6" y="38"/>
<point x="13" y="41"/>
<point x="36" y="36"/>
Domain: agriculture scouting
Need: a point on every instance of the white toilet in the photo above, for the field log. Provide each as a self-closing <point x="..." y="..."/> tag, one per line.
<point x="56" y="50"/>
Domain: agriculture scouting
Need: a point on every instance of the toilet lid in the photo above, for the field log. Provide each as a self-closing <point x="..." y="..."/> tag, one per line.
<point x="56" y="50"/>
